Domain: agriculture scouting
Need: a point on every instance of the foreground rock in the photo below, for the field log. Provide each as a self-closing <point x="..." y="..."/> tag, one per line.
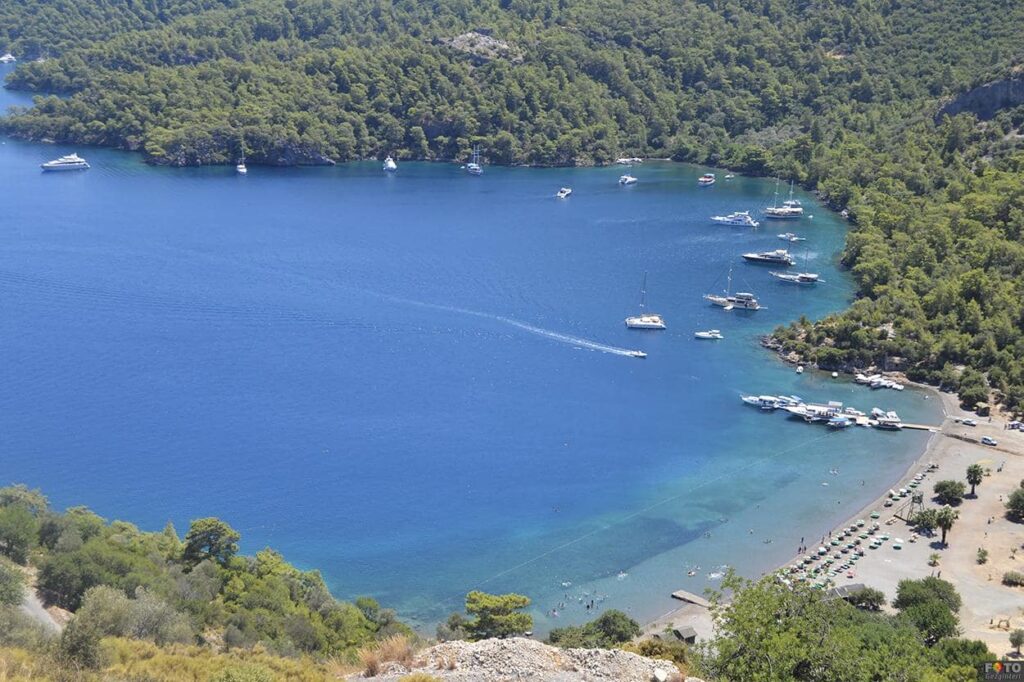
<point x="494" y="660"/>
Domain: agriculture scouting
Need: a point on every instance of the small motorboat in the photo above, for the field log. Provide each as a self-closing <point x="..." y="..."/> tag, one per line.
<point x="564" y="192"/>
<point x="710" y="334"/>
<point x="706" y="180"/>
<point x="729" y="176"/>
<point x="790" y="237"/>
<point x="639" y="354"/>
<point x="389" y="165"/>
<point x="627" y="180"/>
<point x="241" y="169"/>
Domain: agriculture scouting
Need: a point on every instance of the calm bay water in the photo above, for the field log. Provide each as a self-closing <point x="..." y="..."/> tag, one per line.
<point x="410" y="382"/>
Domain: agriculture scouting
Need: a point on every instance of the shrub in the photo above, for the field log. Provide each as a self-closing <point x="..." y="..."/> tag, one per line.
<point x="982" y="556"/>
<point x="12" y="585"/>
<point x="249" y="673"/>
<point x="1015" y="504"/>
<point x="419" y="677"/>
<point x="950" y="492"/>
<point x="867" y="598"/>
<point x="914" y="592"/>
<point x="1013" y="578"/>
<point x="396" y="648"/>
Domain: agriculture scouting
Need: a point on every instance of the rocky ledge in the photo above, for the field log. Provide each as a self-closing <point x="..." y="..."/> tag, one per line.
<point x="502" y="660"/>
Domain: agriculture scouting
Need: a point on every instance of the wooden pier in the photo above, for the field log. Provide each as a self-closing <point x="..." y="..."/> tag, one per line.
<point x="683" y="595"/>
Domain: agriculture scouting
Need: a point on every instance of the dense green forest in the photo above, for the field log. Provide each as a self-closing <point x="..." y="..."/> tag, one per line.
<point x="841" y="96"/>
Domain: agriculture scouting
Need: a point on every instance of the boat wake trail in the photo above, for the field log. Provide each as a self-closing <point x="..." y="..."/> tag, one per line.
<point x="532" y="329"/>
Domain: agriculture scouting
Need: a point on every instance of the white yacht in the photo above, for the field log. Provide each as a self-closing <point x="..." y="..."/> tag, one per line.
<point x="776" y="257"/>
<point x="629" y="160"/>
<point x="764" y="402"/>
<point x="706" y="180"/>
<point x="474" y="167"/>
<point x="240" y="168"/>
<point x="564" y="192"/>
<point x="710" y="334"/>
<point x="627" y="180"/>
<point x="790" y="209"/>
<point x="645" y="320"/>
<point x="389" y="165"/>
<point x="790" y="237"/>
<point x="797" y="277"/>
<point x="741" y="300"/>
<point x="7" y="59"/>
<point x="737" y="219"/>
<point x="64" y="163"/>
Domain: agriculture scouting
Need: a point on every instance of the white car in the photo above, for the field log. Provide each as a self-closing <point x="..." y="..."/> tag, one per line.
<point x="988" y="441"/>
<point x="970" y="422"/>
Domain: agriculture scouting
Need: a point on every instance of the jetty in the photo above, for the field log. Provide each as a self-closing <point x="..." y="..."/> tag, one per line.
<point x="683" y="595"/>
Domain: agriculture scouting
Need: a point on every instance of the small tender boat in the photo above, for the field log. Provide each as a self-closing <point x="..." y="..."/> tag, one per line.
<point x="564" y="192"/>
<point x="8" y="58"/>
<point x="627" y="180"/>
<point x="706" y="180"/>
<point x="389" y="165"/>
<point x="797" y="277"/>
<point x="710" y="334"/>
<point x="737" y="219"/>
<point x="645" y="320"/>
<point x="637" y="354"/>
<point x="777" y="257"/>
<point x="729" y="176"/>
<point x="790" y="237"/>
<point x="65" y="163"/>
<point x="241" y="169"/>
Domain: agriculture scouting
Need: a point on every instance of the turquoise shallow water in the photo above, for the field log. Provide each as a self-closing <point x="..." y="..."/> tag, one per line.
<point x="410" y="381"/>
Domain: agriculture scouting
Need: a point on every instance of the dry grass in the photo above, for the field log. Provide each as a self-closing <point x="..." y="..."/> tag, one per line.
<point x="394" y="649"/>
<point x="419" y="677"/>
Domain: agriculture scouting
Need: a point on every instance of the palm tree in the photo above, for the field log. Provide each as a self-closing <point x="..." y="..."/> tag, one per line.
<point x="945" y="519"/>
<point x="974" y="476"/>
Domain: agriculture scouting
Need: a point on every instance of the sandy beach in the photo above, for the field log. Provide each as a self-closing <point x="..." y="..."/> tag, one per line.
<point x="990" y="609"/>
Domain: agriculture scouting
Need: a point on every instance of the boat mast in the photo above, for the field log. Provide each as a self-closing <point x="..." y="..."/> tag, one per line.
<point x="643" y="294"/>
<point x="775" y="201"/>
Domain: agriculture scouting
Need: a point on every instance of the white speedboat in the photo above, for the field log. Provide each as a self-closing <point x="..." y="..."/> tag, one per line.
<point x="241" y="169"/>
<point x="389" y="165"/>
<point x="776" y="257"/>
<point x="709" y="334"/>
<point x="729" y="176"/>
<point x="741" y="299"/>
<point x="790" y="237"/>
<point x="706" y="180"/>
<point x="637" y="354"/>
<point x="65" y="163"/>
<point x="564" y="192"/>
<point x="737" y="219"/>
<point x="8" y="59"/>
<point x="797" y="277"/>
<point x="474" y="167"/>
<point x="645" y="320"/>
<point x="627" y="180"/>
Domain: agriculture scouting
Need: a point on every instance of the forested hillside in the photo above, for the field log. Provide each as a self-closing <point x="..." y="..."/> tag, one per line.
<point x="840" y="95"/>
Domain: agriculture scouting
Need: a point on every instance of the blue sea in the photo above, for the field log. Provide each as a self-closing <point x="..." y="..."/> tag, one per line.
<point x="416" y="382"/>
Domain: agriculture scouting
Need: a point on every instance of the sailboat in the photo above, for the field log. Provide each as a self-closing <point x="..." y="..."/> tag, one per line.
<point x="474" y="167"/>
<point x="645" y="320"/>
<point x="790" y="209"/>
<point x="389" y="165"/>
<point x="798" y="277"/>
<point x="240" y="168"/>
<point x="741" y="299"/>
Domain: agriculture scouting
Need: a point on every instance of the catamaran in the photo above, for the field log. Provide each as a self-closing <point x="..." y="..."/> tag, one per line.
<point x="389" y="165"/>
<point x="737" y="219"/>
<point x="741" y="300"/>
<point x="790" y="209"/>
<point x="706" y="180"/>
<point x="776" y="257"/>
<point x="65" y="163"/>
<point x="645" y="320"/>
<point x="474" y="167"/>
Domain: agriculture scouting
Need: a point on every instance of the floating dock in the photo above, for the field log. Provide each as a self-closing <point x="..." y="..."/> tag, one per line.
<point x="683" y="595"/>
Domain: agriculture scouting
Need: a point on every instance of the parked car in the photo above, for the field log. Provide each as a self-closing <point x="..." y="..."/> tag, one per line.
<point x="970" y="422"/>
<point x="988" y="441"/>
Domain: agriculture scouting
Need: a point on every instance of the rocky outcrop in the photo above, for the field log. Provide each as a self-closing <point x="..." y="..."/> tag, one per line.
<point x="501" y="660"/>
<point x="985" y="100"/>
<point x="482" y="47"/>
